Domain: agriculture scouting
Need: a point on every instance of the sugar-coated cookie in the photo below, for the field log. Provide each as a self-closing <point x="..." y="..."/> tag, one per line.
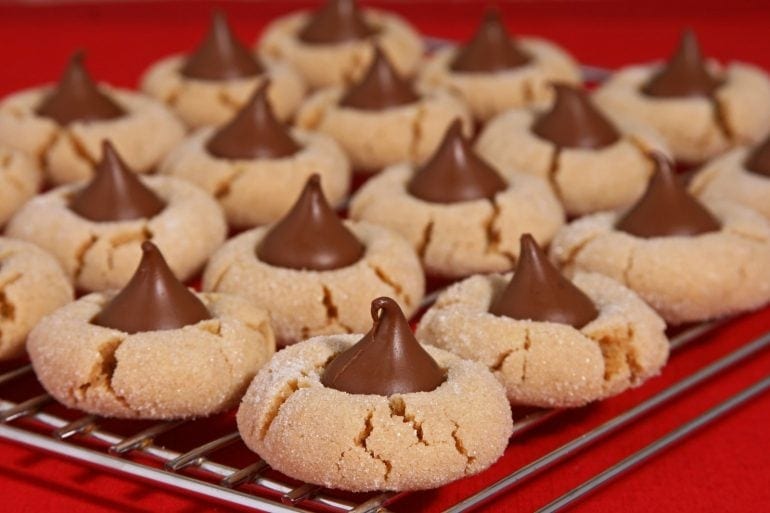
<point x="64" y="126"/>
<point x="334" y="45"/>
<point x="32" y="285"/>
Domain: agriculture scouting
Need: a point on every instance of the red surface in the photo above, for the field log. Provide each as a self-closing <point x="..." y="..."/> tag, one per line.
<point x="722" y="468"/>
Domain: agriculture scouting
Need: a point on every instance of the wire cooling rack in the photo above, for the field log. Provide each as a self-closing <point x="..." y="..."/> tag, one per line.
<point x="34" y="420"/>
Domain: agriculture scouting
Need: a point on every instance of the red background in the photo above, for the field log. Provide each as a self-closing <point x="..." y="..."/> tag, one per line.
<point x="723" y="468"/>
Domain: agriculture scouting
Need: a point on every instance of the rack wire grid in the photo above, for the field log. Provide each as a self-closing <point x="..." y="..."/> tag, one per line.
<point x="35" y="419"/>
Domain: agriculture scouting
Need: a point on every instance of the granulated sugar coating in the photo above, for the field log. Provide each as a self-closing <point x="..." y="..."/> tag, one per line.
<point x="459" y="239"/>
<point x="549" y="364"/>
<point x="370" y="442"/>
<point x="303" y="303"/>
<point x="189" y="372"/>
<point x="104" y="255"/>
<point x="686" y="279"/>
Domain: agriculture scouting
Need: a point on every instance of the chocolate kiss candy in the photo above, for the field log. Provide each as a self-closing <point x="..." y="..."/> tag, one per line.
<point x="221" y="56"/>
<point x="115" y="193"/>
<point x="685" y="74"/>
<point x="254" y="132"/>
<point x="380" y="88"/>
<point x="758" y="160"/>
<point x="574" y="122"/>
<point x="491" y="49"/>
<point x="666" y="209"/>
<point x="539" y="292"/>
<point x="455" y="173"/>
<point x="310" y="236"/>
<point x="76" y="97"/>
<point x="388" y="360"/>
<point x="336" y="22"/>
<point x="152" y="300"/>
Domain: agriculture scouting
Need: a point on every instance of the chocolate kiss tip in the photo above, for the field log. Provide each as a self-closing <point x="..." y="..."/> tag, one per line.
<point x="685" y="74"/>
<point x="152" y="300"/>
<point x="490" y="49"/>
<point x="539" y="292"/>
<point x="455" y="173"/>
<point x="220" y="56"/>
<point x="77" y="98"/>
<point x="574" y="122"/>
<point x="666" y="208"/>
<point x="337" y="21"/>
<point x="115" y="193"/>
<point x="387" y="360"/>
<point x="758" y="161"/>
<point x="254" y="132"/>
<point x="380" y="88"/>
<point x="310" y="236"/>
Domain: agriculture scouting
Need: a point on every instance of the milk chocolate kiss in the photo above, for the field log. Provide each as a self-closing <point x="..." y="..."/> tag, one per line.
<point x="152" y="300"/>
<point x="254" y="132"/>
<point x="380" y="88"/>
<point x="115" y="193"/>
<point x="221" y="56"/>
<point x="455" y="173"/>
<point x="539" y="292"/>
<point x="666" y="209"/>
<point x="685" y="73"/>
<point x="310" y="236"/>
<point x="336" y="22"/>
<point x="574" y="122"/>
<point x="491" y="49"/>
<point x="758" y="160"/>
<point x="388" y="360"/>
<point x="77" y="98"/>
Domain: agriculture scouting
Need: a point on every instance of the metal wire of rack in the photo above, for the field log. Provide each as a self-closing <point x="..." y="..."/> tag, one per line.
<point x="224" y="483"/>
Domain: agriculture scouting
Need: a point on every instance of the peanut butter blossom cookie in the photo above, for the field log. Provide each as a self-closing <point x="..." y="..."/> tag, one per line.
<point x="378" y="412"/>
<point x="154" y="350"/>
<point x="63" y="125"/>
<point x="689" y="260"/>
<point x="699" y="108"/>
<point x="741" y="175"/>
<point x="32" y="285"/>
<point x="96" y="229"/>
<point x="314" y="273"/>
<point x="550" y="341"/>
<point x="210" y="85"/>
<point x="256" y="167"/>
<point x="382" y="119"/>
<point x="494" y="72"/>
<point x="20" y="179"/>
<point x="457" y="212"/>
<point x="334" y="45"/>
<point x="592" y="162"/>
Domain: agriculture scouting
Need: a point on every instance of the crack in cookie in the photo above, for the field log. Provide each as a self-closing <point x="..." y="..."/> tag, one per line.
<point x="363" y="437"/>
<point x="80" y="255"/>
<point x="398" y="410"/>
<point x="427" y="235"/>
<point x="386" y="280"/>
<point x="460" y="447"/>
<point x="417" y="131"/>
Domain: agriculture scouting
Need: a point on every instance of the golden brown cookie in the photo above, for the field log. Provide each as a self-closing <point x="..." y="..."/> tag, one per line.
<point x="305" y="303"/>
<point x="192" y="371"/>
<point x="728" y="178"/>
<point x="20" y="179"/>
<point x="695" y="128"/>
<point x="259" y="191"/>
<point x="373" y="442"/>
<point x="463" y="238"/>
<point x="32" y="285"/>
<point x="551" y="364"/>
<point x="208" y="102"/>
<point x="342" y="63"/>
<point x="489" y="94"/>
<point x="103" y="255"/>
<point x="143" y="135"/>
<point x="379" y="138"/>
<point x="586" y="180"/>
<point x="685" y="278"/>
